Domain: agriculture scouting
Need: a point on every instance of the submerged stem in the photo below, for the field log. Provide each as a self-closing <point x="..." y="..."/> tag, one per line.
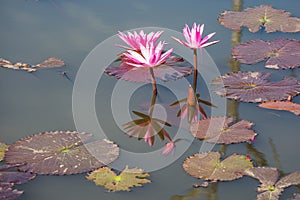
<point x="153" y="101"/>
<point x="195" y="70"/>
<point x="153" y="81"/>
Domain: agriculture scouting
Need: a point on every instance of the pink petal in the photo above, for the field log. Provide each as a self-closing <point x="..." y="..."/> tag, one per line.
<point x="135" y="57"/>
<point x="183" y="43"/>
<point x="210" y="43"/>
<point x="208" y="37"/>
<point x="201" y="29"/>
<point x="165" y="56"/>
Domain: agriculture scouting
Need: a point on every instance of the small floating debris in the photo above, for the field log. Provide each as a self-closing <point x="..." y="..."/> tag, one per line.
<point x="49" y="63"/>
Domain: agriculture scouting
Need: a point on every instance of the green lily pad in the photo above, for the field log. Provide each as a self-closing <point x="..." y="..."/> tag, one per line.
<point x="262" y="16"/>
<point x="124" y="181"/>
<point x="207" y="166"/>
<point x="3" y="148"/>
<point x="222" y="130"/>
<point x="61" y="152"/>
<point x="270" y="188"/>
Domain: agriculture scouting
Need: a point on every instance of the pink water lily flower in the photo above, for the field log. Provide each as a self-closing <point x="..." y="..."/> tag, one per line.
<point x="149" y="56"/>
<point x="194" y="38"/>
<point x="135" y="40"/>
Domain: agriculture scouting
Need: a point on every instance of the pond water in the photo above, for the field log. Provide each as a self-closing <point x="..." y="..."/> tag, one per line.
<point x="32" y="31"/>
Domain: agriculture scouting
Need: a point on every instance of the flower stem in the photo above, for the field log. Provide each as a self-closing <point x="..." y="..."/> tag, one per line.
<point x="195" y="70"/>
<point x="153" y="81"/>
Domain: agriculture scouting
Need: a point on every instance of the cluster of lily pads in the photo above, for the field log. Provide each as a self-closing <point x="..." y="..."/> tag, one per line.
<point x="144" y="60"/>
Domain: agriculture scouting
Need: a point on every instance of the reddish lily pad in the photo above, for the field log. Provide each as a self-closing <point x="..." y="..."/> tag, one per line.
<point x="270" y="188"/>
<point x="7" y="193"/>
<point x="61" y="152"/>
<point x="171" y="70"/>
<point x="254" y="18"/>
<point x="123" y="182"/>
<point x="281" y="53"/>
<point x="221" y="130"/>
<point x="282" y="105"/>
<point x="3" y="148"/>
<point x="207" y="166"/>
<point x="254" y="87"/>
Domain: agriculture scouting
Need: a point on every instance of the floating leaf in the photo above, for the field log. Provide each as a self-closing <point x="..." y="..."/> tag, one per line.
<point x="207" y="166"/>
<point x="282" y="53"/>
<point x="14" y="177"/>
<point x="171" y="70"/>
<point x="282" y="105"/>
<point x="147" y="127"/>
<point x="51" y="63"/>
<point x="254" y="87"/>
<point x="61" y="152"/>
<point x="124" y="181"/>
<point x="7" y="193"/>
<point x="264" y="15"/>
<point x="3" y="148"/>
<point x="221" y="130"/>
<point x="269" y="188"/>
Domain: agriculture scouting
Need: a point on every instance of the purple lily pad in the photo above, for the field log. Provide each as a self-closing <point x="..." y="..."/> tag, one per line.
<point x="171" y="70"/>
<point x="221" y="130"/>
<point x="270" y="188"/>
<point x="264" y="15"/>
<point x="7" y="193"/>
<point x="254" y="87"/>
<point x="281" y="53"/>
<point x="61" y="152"/>
<point x="16" y="177"/>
